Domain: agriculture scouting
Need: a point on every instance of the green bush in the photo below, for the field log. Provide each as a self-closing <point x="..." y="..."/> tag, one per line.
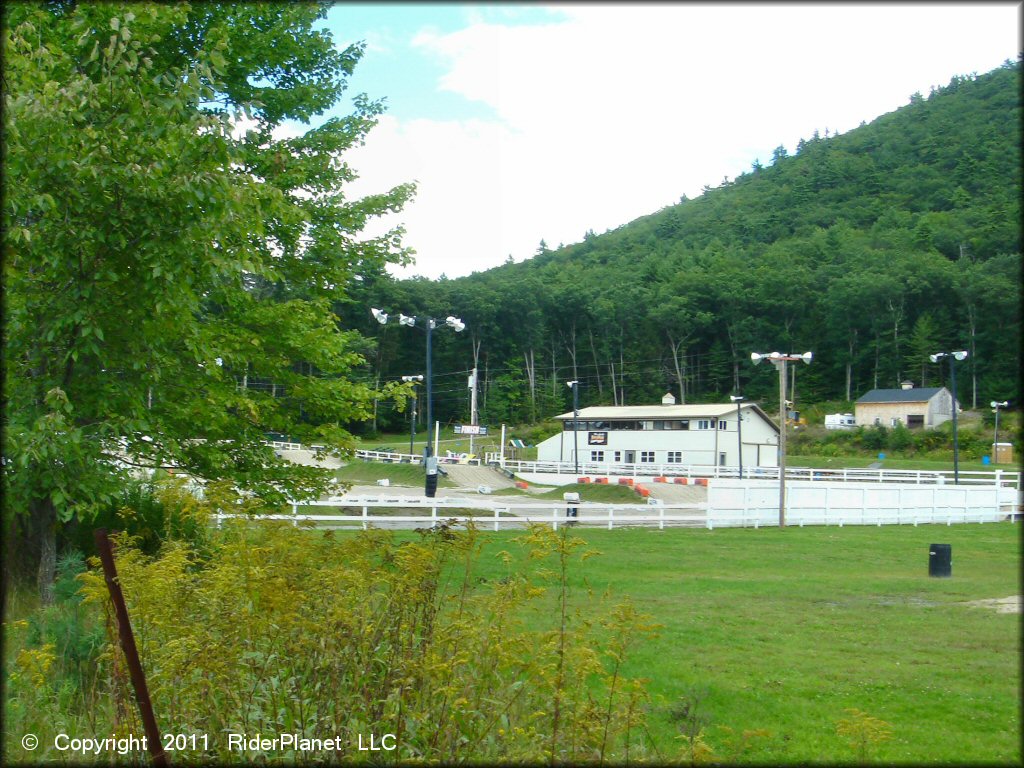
<point x="900" y="439"/>
<point x="151" y="512"/>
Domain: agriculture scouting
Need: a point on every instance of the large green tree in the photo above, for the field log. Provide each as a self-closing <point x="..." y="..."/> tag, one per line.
<point x="170" y="264"/>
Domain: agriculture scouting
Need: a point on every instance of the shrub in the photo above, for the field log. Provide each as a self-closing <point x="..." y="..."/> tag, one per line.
<point x="151" y="512"/>
<point x="900" y="439"/>
<point x="279" y="629"/>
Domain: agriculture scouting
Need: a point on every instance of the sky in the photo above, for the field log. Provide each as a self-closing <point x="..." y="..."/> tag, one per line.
<point x="528" y="122"/>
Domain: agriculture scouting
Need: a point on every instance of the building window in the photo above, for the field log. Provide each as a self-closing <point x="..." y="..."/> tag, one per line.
<point x="675" y="457"/>
<point x="704" y="424"/>
<point x="597" y="455"/>
<point x="630" y="425"/>
<point x="722" y="423"/>
<point x="618" y="456"/>
<point x="647" y="457"/>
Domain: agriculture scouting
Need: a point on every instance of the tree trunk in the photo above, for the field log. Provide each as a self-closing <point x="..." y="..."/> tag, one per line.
<point x="593" y="351"/>
<point x="972" y="320"/>
<point x="44" y="517"/>
<point x="896" y="310"/>
<point x="531" y="378"/>
<point x="571" y="349"/>
<point x="680" y="368"/>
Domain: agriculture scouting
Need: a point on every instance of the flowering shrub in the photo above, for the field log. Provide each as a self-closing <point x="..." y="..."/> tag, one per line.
<point x="279" y="629"/>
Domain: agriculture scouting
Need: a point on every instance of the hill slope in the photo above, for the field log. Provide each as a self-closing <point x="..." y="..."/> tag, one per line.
<point x="872" y="248"/>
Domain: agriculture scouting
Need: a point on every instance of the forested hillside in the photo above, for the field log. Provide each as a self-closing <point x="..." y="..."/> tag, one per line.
<point x="873" y="249"/>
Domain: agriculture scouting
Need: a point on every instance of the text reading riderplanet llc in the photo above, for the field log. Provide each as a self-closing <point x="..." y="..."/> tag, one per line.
<point x="240" y="742"/>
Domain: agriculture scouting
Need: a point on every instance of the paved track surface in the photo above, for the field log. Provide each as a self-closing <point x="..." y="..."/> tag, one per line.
<point x="472" y="477"/>
<point x="671" y="493"/>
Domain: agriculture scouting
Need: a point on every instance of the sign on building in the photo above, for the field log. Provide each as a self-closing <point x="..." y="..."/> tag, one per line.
<point x="470" y="429"/>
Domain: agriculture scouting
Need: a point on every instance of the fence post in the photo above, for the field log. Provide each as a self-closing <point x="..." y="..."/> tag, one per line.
<point x="365" y="517"/>
<point x="610" y="518"/>
<point x="497" y="514"/>
<point x="295" y="515"/>
<point x="554" y="518"/>
<point x="661" y="518"/>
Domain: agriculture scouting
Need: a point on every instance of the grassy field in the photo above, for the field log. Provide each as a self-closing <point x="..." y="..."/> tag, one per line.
<point x="369" y="472"/>
<point x="782" y="632"/>
<point x="768" y="639"/>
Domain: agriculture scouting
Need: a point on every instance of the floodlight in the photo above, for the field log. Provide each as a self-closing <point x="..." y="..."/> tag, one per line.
<point x="380" y="315"/>
<point x="755" y="357"/>
<point x="936" y="357"/>
<point x="961" y="355"/>
<point x="736" y="398"/>
<point x="412" y="378"/>
<point x="570" y="383"/>
<point x="806" y="357"/>
<point x="406" y="320"/>
<point x="775" y="355"/>
<point x="455" y="323"/>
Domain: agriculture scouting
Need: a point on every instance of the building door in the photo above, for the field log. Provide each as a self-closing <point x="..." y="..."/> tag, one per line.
<point x="631" y="457"/>
<point x="721" y="459"/>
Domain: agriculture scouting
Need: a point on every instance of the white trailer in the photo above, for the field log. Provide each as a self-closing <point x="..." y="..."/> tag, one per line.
<point x="840" y="421"/>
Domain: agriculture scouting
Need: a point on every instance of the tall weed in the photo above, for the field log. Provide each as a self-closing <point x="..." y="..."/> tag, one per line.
<point x="279" y="629"/>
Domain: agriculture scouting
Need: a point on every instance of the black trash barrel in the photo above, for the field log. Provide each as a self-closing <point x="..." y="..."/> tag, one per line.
<point x="940" y="560"/>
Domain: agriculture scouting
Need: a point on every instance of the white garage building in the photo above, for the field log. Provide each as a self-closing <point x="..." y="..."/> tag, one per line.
<point x="696" y="435"/>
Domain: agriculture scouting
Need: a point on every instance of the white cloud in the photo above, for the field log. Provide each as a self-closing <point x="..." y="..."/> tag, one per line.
<point x="614" y="111"/>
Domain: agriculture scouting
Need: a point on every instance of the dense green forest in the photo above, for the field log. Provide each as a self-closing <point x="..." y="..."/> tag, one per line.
<point x="872" y="248"/>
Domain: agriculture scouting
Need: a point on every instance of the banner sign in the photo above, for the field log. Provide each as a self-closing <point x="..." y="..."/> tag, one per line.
<point x="470" y="429"/>
<point x="597" y="438"/>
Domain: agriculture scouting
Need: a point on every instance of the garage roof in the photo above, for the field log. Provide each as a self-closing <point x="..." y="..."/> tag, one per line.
<point x="919" y="395"/>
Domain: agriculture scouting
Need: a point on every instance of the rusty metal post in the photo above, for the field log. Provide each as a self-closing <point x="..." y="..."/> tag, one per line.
<point x="131" y="653"/>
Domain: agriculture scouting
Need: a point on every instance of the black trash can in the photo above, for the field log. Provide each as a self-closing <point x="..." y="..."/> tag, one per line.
<point x="940" y="560"/>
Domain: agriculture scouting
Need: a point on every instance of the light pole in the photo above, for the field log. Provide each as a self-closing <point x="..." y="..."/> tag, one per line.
<point x="779" y="360"/>
<point x="412" y="410"/>
<point x="739" y="429"/>
<point x="574" y="385"/>
<point x="995" y="435"/>
<point x="953" y="358"/>
<point x="452" y="322"/>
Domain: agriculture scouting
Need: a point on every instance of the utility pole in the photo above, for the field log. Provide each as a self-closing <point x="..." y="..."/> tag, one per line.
<point x="739" y="430"/>
<point x="574" y="384"/>
<point x="472" y="406"/>
<point x="779" y="361"/>
<point x="960" y="355"/>
<point x="412" y="420"/>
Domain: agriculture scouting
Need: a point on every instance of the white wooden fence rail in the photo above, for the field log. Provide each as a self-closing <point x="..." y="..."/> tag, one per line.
<point x="916" y="477"/>
<point x="741" y="506"/>
<point x="607" y="469"/>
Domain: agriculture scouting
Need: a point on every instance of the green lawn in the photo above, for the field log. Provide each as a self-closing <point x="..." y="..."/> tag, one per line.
<point x="369" y="472"/>
<point x="786" y="630"/>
